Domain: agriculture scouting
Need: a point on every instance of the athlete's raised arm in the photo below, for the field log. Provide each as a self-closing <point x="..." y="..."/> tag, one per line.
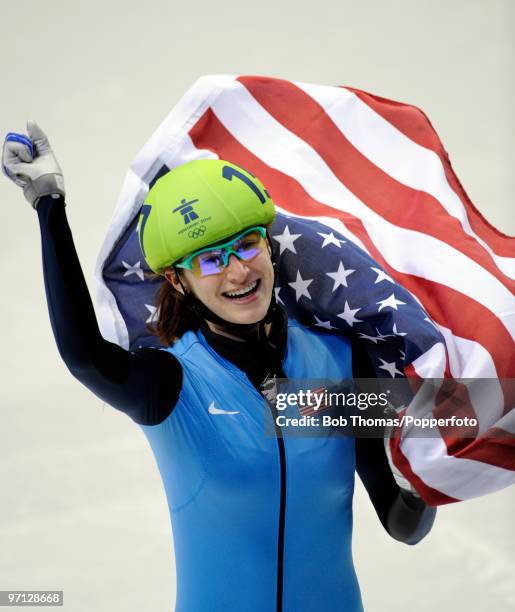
<point x="146" y="383"/>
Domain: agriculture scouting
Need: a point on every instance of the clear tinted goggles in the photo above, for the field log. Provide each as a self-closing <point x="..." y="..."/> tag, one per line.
<point x="214" y="260"/>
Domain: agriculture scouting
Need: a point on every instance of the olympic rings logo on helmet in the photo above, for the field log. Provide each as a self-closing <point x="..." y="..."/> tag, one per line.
<point x="197" y="232"/>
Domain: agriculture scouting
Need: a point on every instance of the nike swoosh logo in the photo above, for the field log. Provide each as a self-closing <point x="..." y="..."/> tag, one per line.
<point x="214" y="410"/>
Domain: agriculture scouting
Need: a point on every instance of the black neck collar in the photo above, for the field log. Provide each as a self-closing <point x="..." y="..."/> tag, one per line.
<point x="251" y="348"/>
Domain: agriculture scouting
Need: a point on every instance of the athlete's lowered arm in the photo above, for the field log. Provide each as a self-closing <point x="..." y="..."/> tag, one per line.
<point x="403" y="514"/>
<point x="401" y="511"/>
<point x="138" y="383"/>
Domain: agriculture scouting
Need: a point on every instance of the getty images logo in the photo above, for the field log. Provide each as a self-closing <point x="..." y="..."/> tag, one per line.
<point x="186" y="210"/>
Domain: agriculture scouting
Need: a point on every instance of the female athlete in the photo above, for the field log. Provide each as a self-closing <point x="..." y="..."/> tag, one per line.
<point x="260" y="523"/>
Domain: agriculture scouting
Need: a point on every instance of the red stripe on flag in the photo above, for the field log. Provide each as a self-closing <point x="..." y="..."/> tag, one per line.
<point x="431" y="496"/>
<point x="452" y="400"/>
<point x="465" y="317"/>
<point x="495" y="447"/>
<point x="209" y="133"/>
<point x="414" y="124"/>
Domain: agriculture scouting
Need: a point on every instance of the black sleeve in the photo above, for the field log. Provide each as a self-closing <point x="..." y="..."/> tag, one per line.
<point x="405" y="516"/>
<point x="144" y="384"/>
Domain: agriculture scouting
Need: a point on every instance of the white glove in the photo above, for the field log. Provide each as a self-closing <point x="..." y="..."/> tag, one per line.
<point x="31" y="164"/>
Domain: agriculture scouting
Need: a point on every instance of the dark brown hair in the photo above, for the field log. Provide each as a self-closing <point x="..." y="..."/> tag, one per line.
<point x="174" y="316"/>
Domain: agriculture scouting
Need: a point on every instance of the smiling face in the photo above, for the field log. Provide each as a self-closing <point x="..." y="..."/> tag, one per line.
<point x="241" y="293"/>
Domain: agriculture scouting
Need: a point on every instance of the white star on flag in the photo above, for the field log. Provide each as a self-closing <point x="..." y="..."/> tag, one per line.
<point x="301" y="286"/>
<point x="382" y="276"/>
<point x="348" y="315"/>
<point x="340" y="276"/>
<point x="324" y="324"/>
<point x="383" y="336"/>
<point x="277" y="298"/>
<point x="374" y="339"/>
<point x="286" y="240"/>
<point x="391" y="302"/>
<point x="154" y="315"/>
<point x="135" y="269"/>
<point x="391" y="368"/>
<point x="403" y="354"/>
<point x="396" y="333"/>
<point x="330" y="239"/>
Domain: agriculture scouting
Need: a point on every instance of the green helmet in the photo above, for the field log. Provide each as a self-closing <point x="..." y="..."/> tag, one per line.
<point x="198" y="204"/>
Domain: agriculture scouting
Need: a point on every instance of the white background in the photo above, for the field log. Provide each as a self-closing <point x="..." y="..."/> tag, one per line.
<point x="81" y="503"/>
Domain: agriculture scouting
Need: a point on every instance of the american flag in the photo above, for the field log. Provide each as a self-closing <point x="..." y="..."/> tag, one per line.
<point x="310" y="409"/>
<point x="376" y="238"/>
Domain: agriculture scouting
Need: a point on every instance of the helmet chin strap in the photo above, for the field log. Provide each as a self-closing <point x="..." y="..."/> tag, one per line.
<point x="242" y="329"/>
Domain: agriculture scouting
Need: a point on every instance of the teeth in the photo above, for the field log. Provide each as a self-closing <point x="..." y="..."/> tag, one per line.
<point x="242" y="291"/>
